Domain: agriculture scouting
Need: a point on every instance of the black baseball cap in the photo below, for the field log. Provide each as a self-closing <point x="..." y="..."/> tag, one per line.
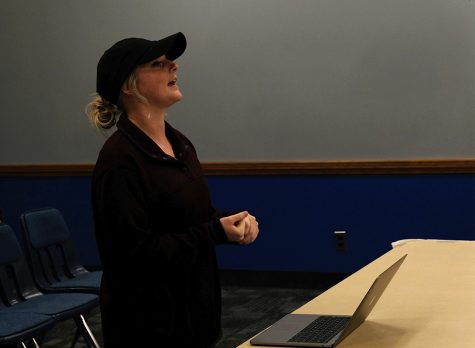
<point x="118" y="62"/>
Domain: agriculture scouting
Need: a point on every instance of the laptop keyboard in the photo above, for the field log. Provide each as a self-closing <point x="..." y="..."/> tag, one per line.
<point x="321" y="330"/>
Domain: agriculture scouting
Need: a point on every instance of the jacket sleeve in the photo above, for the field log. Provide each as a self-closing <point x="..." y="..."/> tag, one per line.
<point x="124" y="230"/>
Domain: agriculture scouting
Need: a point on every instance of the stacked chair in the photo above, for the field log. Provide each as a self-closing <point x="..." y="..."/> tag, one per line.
<point x="19" y="293"/>
<point x="52" y="256"/>
<point x="58" y="289"/>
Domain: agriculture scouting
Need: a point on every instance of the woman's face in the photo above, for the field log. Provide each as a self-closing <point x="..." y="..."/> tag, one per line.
<point x="157" y="81"/>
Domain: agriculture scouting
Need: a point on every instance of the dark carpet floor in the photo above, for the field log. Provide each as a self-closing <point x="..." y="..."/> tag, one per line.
<point x="246" y="311"/>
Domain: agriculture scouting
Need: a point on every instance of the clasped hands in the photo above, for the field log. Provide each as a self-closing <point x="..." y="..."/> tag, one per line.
<point x="241" y="227"/>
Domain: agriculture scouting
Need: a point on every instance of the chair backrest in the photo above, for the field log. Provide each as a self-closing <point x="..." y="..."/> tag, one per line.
<point x="51" y="251"/>
<point x="16" y="283"/>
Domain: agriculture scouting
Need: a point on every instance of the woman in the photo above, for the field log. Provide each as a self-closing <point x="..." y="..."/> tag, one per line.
<point x="155" y="227"/>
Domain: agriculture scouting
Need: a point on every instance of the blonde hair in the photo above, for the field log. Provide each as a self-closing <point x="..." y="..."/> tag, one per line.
<point x="104" y="115"/>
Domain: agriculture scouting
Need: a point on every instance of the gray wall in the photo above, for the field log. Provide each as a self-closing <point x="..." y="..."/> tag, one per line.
<point x="262" y="79"/>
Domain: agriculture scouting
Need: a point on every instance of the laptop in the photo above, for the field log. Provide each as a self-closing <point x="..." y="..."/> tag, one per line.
<point x="307" y="330"/>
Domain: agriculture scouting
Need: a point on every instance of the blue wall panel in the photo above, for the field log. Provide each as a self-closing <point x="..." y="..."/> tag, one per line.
<point x="297" y="215"/>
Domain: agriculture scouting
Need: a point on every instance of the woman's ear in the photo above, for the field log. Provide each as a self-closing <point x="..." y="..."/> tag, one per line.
<point x="126" y="90"/>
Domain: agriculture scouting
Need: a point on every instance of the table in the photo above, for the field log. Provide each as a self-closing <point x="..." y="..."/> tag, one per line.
<point x="429" y="303"/>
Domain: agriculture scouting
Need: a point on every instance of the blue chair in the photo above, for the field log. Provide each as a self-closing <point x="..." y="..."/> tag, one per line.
<point x="19" y="293"/>
<point x="18" y="328"/>
<point x="52" y="256"/>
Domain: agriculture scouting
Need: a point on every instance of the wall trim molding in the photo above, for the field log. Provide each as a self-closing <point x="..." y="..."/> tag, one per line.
<point x="431" y="166"/>
<point x="341" y="167"/>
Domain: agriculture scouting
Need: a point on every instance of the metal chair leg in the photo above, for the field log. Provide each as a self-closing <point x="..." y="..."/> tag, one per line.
<point x="26" y="345"/>
<point x="86" y="332"/>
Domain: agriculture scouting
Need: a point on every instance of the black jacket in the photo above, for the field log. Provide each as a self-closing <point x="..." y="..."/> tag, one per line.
<point x="156" y="233"/>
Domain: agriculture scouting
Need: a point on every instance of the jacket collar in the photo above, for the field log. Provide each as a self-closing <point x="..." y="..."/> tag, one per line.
<point x="143" y="141"/>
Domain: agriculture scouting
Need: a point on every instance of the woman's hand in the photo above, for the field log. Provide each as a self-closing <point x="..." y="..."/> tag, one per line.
<point x="235" y="226"/>
<point x="242" y="227"/>
<point x="251" y="233"/>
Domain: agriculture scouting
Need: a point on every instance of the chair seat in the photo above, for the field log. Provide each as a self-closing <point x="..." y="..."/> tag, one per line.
<point x="15" y="326"/>
<point x="58" y="305"/>
<point x="90" y="280"/>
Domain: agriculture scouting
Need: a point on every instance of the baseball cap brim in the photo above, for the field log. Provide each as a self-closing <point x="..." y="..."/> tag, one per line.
<point x="172" y="47"/>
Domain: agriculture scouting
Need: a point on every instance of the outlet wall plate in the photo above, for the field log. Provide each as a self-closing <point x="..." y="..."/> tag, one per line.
<point x="341" y="241"/>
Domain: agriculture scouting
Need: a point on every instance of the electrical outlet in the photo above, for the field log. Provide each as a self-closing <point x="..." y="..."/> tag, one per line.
<point x="340" y="241"/>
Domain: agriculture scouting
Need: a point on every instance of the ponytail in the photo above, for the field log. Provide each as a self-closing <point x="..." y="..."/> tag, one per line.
<point x="102" y="114"/>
